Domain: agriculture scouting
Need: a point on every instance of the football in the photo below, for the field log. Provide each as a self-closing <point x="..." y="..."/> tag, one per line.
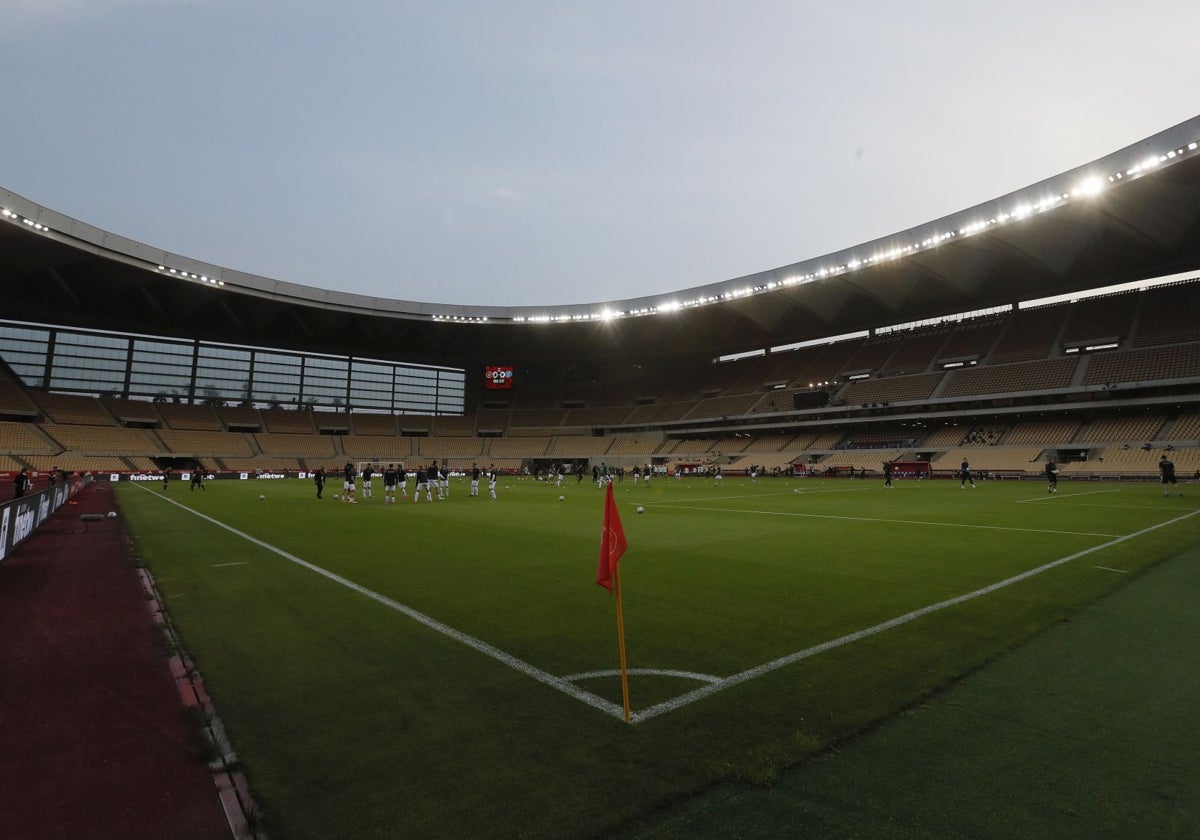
<point x="562" y="498"/>
<point x="112" y="514"/>
<point x="641" y="509"/>
<point x="261" y="497"/>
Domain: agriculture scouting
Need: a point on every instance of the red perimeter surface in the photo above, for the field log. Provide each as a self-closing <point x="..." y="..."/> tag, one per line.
<point x="94" y="740"/>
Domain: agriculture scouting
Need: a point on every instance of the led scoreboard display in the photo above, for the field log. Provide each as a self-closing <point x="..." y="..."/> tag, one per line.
<point x="498" y="377"/>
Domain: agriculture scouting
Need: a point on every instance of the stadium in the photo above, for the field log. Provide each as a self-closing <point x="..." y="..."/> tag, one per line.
<point x="1054" y="325"/>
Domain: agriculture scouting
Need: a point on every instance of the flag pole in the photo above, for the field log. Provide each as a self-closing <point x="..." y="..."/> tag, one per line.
<point x="621" y="641"/>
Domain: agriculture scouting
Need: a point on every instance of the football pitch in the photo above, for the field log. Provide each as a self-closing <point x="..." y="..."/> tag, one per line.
<point x="450" y="669"/>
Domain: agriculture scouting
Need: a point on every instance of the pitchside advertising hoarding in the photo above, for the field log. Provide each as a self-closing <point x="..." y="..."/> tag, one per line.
<point x="498" y="377"/>
<point x="21" y="517"/>
<point x="185" y="476"/>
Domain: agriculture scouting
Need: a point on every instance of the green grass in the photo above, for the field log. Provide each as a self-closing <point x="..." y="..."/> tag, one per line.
<point x="355" y="720"/>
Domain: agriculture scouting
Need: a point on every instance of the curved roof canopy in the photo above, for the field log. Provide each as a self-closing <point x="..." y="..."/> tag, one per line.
<point x="1132" y="215"/>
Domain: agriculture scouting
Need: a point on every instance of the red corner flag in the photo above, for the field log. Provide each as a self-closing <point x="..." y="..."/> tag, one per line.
<point x="612" y="542"/>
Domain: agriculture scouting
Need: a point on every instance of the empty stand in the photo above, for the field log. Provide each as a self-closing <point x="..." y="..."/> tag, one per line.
<point x="891" y="389"/>
<point x="239" y="416"/>
<point x="25" y="439"/>
<point x="295" y="446"/>
<point x="283" y="421"/>
<point x="377" y="447"/>
<point x="917" y="350"/>
<point x="998" y="458"/>
<point x="1121" y="430"/>
<point x="1011" y="378"/>
<point x="100" y="440"/>
<point x="1030" y="333"/>
<point x="187" y="416"/>
<point x="1176" y="361"/>
<point x="140" y="412"/>
<point x="1186" y="427"/>
<point x="449" y="447"/>
<point x="1107" y="316"/>
<point x="973" y="338"/>
<point x="202" y="442"/>
<point x="373" y="424"/>
<point x="1169" y="314"/>
<point x="1042" y="431"/>
<point x="73" y="409"/>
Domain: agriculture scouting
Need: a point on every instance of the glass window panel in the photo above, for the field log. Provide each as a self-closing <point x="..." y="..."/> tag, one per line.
<point x="162" y="348"/>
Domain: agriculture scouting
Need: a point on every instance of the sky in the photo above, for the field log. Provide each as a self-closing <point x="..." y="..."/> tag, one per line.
<point x="519" y="153"/>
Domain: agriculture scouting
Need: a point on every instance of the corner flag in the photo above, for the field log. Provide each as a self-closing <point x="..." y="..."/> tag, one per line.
<point x="612" y="546"/>
<point x="612" y="542"/>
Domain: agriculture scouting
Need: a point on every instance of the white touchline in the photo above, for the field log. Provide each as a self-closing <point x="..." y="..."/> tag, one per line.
<point x="792" y="658"/>
<point x="897" y="521"/>
<point x="1063" y="496"/>
<point x="538" y="674"/>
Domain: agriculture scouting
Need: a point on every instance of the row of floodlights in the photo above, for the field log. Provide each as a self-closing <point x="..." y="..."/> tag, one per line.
<point x="38" y="226"/>
<point x="187" y="275"/>
<point x="41" y="228"/>
<point x="1090" y="186"/>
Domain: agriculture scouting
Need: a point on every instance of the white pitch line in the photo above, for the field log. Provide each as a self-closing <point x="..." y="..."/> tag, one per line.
<point x="900" y="521"/>
<point x="433" y="624"/>
<point x="663" y="502"/>
<point x="792" y="658"/>
<point x="223" y="565"/>
<point x="1111" y="569"/>
<point x="1050" y="496"/>
<point x="1131" y="507"/>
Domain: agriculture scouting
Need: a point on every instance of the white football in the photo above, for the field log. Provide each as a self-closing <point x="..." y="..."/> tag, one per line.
<point x="112" y="514"/>
<point x="261" y="497"/>
<point x="562" y="498"/>
<point x="641" y="509"/>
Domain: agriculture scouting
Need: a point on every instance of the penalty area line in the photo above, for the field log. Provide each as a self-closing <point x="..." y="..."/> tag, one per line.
<point x="792" y="658"/>
<point x="558" y="683"/>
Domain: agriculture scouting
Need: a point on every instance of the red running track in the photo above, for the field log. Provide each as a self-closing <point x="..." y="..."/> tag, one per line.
<point x="94" y="739"/>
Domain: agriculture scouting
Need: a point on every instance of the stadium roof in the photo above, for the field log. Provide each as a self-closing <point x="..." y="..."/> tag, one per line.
<point x="1132" y="215"/>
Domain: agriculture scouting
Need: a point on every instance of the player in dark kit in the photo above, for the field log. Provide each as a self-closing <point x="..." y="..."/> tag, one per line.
<point x="422" y="484"/>
<point x="1166" y="468"/>
<point x="964" y="476"/>
<point x="198" y="480"/>
<point x="1051" y="477"/>
<point x="319" y="480"/>
<point x="368" y="473"/>
<point x="887" y="473"/>
<point x="21" y="483"/>
<point x="389" y="485"/>
<point x="348" y="476"/>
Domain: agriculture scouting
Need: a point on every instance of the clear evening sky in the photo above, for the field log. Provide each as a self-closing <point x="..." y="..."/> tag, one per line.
<point x="515" y="153"/>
